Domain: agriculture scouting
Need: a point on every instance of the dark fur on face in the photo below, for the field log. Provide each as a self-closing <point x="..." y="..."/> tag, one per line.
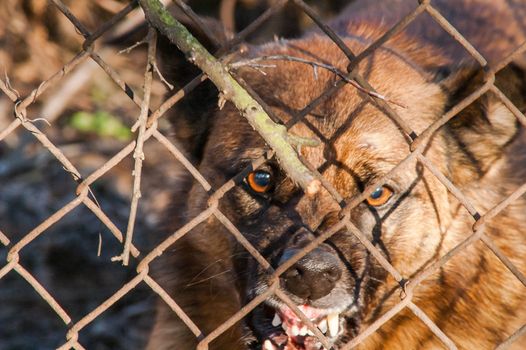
<point x="474" y="299"/>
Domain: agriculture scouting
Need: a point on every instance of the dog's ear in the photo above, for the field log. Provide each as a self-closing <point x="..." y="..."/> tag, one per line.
<point x="191" y="117"/>
<point x="484" y="129"/>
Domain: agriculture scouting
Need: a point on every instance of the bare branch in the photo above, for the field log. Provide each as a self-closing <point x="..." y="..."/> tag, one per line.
<point x="138" y="154"/>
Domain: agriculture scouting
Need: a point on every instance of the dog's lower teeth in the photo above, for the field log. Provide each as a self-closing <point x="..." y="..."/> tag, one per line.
<point x="323" y="325"/>
<point x="276" y="321"/>
<point x="334" y="323"/>
<point x="267" y="345"/>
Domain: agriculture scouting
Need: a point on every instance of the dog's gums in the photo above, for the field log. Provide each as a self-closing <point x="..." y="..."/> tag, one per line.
<point x="292" y="333"/>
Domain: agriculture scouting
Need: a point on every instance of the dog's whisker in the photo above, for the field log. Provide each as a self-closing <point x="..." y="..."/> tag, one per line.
<point x="208" y="278"/>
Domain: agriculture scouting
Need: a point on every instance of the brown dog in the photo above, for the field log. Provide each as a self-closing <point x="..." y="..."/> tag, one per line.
<point x="412" y="218"/>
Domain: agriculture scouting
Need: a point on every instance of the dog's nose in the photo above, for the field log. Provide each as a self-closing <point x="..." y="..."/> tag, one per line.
<point x="314" y="275"/>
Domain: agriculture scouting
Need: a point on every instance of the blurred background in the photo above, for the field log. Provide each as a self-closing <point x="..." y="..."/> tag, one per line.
<point x="88" y="118"/>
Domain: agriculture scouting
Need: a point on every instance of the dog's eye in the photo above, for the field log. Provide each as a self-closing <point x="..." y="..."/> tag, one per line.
<point x="260" y="181"/>
<point x="380" y="196"/>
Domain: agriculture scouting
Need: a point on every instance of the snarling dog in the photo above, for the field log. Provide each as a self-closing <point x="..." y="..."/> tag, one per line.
<point x="411" y="218"/>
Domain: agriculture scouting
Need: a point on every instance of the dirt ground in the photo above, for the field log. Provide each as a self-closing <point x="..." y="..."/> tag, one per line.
<point x="36" y="40"/>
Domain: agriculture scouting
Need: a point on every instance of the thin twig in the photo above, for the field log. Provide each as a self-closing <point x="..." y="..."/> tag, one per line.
<point x="138" y="155"/>
<point x="274" y="134"/>
<point x="99" y="246"/>
<point x="254" y="63"/>
<point x="130" y="48"/>
<point x="158" y="71"/>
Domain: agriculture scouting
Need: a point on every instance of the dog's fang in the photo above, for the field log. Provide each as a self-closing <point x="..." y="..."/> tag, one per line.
<point x="276" y="321"/>
<point x="333" y="322"/>
<point x="323" y="325"/>
<point x="303" y="330"/>
<point x="295" y="331"/>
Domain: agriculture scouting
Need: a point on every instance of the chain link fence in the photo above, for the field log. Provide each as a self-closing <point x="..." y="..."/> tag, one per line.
<point x="147" y="130"/>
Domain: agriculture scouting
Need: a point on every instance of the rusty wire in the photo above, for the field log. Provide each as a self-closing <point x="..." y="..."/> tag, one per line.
<point x="147" y="127"/>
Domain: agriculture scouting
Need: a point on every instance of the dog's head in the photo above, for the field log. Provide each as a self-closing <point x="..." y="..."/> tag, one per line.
<point x="411" y="217"/>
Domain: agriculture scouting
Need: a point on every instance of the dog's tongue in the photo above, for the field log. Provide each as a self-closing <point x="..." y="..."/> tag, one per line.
<point x="310" y="312"/>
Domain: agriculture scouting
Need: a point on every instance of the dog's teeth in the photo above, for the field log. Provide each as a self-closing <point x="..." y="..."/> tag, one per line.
<point x="295" y="331"/>
<point x="267" y="345"/>
<point x="276" y="321"/>
<point x="303" y="330"/>
<point x="285" y="328"/>
<point x="334" y="324"/>
<point x="323" y="325"/>
<point x="309" y="332"/>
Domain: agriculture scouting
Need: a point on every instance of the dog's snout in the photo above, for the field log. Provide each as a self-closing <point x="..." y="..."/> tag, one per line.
<point x="314" y="275"/>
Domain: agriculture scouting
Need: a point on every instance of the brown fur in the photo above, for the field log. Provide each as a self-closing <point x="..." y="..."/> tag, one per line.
<point x="474" y="299"/>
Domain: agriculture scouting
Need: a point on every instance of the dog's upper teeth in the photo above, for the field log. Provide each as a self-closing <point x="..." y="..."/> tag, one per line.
<point x="276" y="321"/>
<point x="323" y="325"/>
<point x="295" y="331"/>
<point x="329" y="323"/>
<point x="334" y="323"/>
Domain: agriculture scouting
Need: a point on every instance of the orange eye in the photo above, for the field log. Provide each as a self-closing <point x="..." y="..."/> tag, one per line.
<point x="380" y="196"/>
<point x="259" y="181"/>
